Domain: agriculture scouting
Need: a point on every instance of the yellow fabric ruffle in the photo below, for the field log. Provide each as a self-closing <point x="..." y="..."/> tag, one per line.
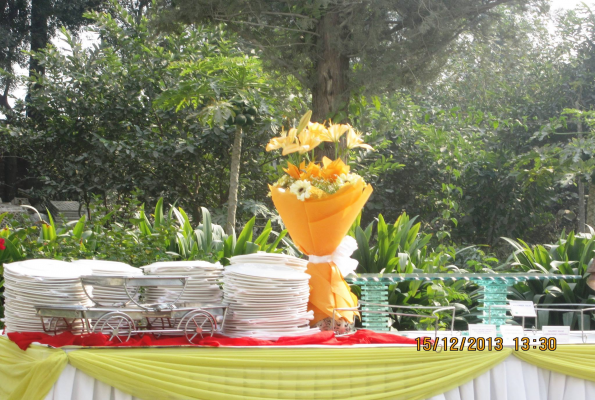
<point x="28" y="374"/>
<point x="257" y="373"/>
<point x="272" y="373"/>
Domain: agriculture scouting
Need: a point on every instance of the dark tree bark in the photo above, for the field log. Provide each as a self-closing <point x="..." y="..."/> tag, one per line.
<point x="330" y="93"/>
<point x="39" y="39"/>
<point x="40" y="10"/>
<point x="234" y="181"/>
<point x="10" y="177"/>
<point x="581" y="186"/>
<point x="591" y="206"/>
<point x="2" y="179"/>
<point x="581" y="206"/>
<point x="4" y="96"/>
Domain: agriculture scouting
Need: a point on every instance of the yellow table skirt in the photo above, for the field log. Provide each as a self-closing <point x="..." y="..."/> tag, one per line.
<point x="271" y="373"/>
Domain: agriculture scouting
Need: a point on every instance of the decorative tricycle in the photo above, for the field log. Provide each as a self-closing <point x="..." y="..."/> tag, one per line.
<point x="123" y="320"/>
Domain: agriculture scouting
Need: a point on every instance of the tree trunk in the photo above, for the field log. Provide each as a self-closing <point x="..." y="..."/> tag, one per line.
<point x="40" y="10"/>
<point x="10" y="177"/>
<point x="581" y="185"/>
<point x="330" y="93"/>
<point x="581" y="205"/>
<point x="591" y="206"/>
<point x="40" y="13"/>
<point x="234" y="181"/>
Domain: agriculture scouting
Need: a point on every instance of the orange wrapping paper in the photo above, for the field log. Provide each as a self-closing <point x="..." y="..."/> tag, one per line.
<point x="317" y="227"/>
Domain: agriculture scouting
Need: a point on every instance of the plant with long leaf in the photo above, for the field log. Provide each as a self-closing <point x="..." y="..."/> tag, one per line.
<point x="207" y="240"/>
<point x="570" y="255"/>
<point x="401" y="248"/>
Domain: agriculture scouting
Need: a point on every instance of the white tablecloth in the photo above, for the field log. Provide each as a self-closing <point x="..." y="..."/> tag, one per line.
<point x="513" y="379"/>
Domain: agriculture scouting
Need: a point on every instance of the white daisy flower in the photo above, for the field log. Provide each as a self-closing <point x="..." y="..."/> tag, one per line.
<point x="301" y="189"/>
<point x="344" y="179"/>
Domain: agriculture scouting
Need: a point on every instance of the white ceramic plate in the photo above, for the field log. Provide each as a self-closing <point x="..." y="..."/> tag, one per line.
<point x="266" y="271"/>
<point x="50" y="269"/>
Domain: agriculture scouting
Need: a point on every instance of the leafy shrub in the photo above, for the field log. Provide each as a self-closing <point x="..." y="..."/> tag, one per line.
<point x="401" y="248"/>
<point x="570" y="255"/>
<point x="130" y="235"/>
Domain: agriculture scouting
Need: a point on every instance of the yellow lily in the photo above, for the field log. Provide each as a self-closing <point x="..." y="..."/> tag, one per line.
<point x="317" y="129"/>
<point x="334" y="132"/>
<point x="333" y="169"/>
<point x="354" y="139"/>
<point x="307" y="141"/>
<point x="312" y="171"/>
<point x="282" y="141"/>
<point x="293" y="170"/>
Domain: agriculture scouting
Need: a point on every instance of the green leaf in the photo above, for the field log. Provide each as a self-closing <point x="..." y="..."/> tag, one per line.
<point x="568" y="293"/>
<point x="143" y="224"/>
<point x="207" y="227"/>
<point x="304" y="122"/>
<point x="2" y="216"/>
<point x="77" y="231"/>
<point x="244" y="237"/>
<point x="274" y="245"/>
<point x="158" y="213"/>
<point x="363" y="250"/>
<point x="50" y="231"/>
<point x="15" y="254"/>
<point x="263" y="238"/>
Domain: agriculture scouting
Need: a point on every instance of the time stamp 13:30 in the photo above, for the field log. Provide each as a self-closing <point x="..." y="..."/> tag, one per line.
<point x="480" y="344"/>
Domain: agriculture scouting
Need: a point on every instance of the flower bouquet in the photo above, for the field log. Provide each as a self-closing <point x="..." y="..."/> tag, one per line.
<point x="318" y="202"/>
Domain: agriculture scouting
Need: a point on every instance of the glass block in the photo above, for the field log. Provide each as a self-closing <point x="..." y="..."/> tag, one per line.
<point x="375" y="292"/>
<point x="494" y="294"/>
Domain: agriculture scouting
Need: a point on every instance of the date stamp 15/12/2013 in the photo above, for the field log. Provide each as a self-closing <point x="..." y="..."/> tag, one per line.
<point x="480" y="344"/>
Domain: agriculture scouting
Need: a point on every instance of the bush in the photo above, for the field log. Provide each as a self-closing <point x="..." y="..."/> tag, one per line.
<point x="131" y="236"/>
<point x="571" y="255"/>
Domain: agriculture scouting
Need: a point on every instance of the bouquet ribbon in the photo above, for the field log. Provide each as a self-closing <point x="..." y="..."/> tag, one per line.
<point x="341" y="257"/>
<point x="318" y="228"/>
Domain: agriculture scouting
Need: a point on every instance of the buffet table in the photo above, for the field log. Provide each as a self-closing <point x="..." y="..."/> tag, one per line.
<point x="512" y="379"/>
<point x="297" y="372"/>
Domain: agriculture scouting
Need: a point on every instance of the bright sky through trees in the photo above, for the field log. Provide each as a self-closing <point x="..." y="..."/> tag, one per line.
<point x="88" y="38"/>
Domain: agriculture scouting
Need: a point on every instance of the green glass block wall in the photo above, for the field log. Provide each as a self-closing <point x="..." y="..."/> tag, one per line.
<point x="375" y="292"/>
<point x="494" y="294"/>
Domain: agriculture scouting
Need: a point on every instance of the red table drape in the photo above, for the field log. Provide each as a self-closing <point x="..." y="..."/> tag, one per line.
<point x="24" y="339"/>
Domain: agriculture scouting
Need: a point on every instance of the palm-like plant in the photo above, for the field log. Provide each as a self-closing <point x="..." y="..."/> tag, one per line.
<point x="398" y="248"/>
<point x="401" y="248"/>
<point x="207" y="240"/>
<point x="571" y="255"/>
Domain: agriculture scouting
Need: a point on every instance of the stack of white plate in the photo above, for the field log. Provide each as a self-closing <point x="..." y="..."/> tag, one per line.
<point x="202" y="287"/>
<point x="40" y="282"/>
<point x="266" y="301"/>
<point x="271" y="259"/>
<point x="105" y="295"/>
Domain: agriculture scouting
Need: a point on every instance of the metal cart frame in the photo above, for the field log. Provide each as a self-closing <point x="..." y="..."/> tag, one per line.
<point x="123" y="320"/>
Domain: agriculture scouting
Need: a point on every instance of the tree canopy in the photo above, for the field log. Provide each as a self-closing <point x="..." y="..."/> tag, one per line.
<point x="488" y="147"/>
<point x="338" y="48"/>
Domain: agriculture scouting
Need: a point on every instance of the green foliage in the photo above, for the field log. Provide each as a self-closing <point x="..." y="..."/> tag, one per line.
<point x="480" y="156"/>
<point x="110" y="123"/>
<point x="570" y="255"/>
<point x="26" y="25"/>
<point x="382" y="45"/>
<point x="439" y="165"/>
<point x="398" y="247"/>
<point x="401" y="248"/>
<point x="128" y="235"/>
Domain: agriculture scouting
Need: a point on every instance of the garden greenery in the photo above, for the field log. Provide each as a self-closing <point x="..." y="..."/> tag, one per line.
<point x="497" y="146"/>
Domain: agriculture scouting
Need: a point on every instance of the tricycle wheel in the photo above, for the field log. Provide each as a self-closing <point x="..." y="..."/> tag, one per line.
<point x="116" y="324"/>
<point x="198" y="324"/>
